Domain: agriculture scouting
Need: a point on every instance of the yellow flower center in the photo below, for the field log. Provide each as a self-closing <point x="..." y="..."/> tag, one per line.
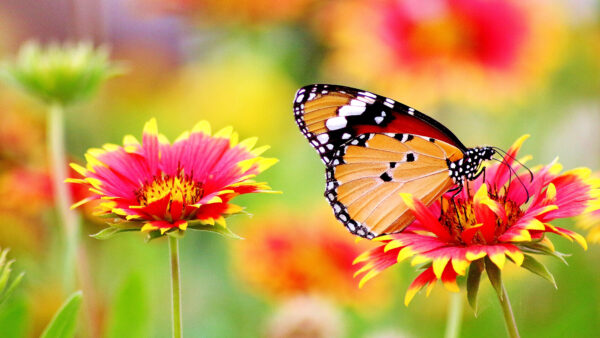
<point x="181" y="187"/>
<point x="458" y="216"/>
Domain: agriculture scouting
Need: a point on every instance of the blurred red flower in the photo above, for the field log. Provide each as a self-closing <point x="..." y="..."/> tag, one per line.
<point x="468" y="51"/>
<point x="292" y="254"/>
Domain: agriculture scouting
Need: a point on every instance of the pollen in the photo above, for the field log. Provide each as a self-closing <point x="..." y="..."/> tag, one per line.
<point x="181" y="188"/>
<point x="458" y="216"/>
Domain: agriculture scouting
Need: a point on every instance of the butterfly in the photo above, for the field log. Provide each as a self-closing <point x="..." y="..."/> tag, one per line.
<point x="374" y="148"/>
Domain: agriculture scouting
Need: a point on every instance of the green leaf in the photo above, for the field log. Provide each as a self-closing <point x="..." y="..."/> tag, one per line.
<point x="540" y="249"/>
<point x="221" y="230"/>
<point x="473" y="281"/>
<point x="5" y="271"/>
<point x="13" y="285"/>
<point x="110" y="232"/>
<point x="63" y="323"/>
<point x="153" y="235"/>
<point x="129" y="314"/>
<point x="15" y="319"/>
<point x="539" y="269"/>
<point x="494" y="275"/>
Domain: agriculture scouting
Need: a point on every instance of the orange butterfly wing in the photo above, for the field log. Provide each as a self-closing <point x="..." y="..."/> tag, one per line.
<point x="368" y="173"/>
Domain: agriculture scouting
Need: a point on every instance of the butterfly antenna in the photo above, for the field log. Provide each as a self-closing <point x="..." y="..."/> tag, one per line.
<point x="513" y="172"/>
<point x="514" y="159"/>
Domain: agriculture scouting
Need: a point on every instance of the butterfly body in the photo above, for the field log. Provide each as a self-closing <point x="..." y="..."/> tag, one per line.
<point x="374" y="148"/>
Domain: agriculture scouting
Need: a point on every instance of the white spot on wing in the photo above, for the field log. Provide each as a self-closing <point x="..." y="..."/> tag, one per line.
<point x="351" y="110"/>
<point x="358" y="103"/>
<point x="323" y="138"/>
<point x="368" y="94"/>
<point x="336" y="123"/>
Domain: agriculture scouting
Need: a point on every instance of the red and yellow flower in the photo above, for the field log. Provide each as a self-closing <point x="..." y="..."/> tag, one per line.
<point x="289" y="254"/>
<point x="160" y="187"/>
<point x="466" y="51"/>
<point x="590" y="220"/>
<point x="502" y="217"/>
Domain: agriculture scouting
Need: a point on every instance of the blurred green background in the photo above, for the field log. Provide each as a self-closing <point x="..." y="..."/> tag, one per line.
<point x="490" y="70"/>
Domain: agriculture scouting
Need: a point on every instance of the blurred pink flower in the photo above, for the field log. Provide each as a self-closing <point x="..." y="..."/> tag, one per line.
<point x="466" y="51"/>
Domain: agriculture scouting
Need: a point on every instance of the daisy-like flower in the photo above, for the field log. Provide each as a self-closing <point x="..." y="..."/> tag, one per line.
<point x="467" y="51"/>
<point x="590" y="220"/>
<point x="504" y="217"/>
<point x="293" y="255"/>
<point x="159" y="187"/>
<point x="591" y="223"/>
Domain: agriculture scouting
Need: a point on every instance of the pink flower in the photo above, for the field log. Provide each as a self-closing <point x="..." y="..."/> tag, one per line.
<point x="161" y="187"/>
<point x="501" y="217"/>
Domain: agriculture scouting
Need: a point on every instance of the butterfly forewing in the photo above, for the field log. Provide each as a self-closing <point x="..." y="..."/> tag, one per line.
<point x="369" y="171"/>
<point x="330" y="115"/>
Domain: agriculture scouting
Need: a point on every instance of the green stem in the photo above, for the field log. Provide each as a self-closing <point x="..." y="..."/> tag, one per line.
<point x="67" y="217"/>
<point x="175" y="287"/>
<point x="509" y="317"/>
<point x="455" y="309"/>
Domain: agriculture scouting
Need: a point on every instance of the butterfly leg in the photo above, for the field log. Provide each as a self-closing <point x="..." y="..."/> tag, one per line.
<point x="457" y="191"/>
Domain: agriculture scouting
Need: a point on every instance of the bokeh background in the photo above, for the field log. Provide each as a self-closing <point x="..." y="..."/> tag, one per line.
<point x="490" y="70"/>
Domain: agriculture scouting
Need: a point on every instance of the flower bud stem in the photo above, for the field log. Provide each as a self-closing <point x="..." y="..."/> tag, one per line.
<point x="68" y="219"/>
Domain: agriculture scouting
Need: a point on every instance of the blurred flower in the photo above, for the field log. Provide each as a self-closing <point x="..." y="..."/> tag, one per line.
<point x="257" y="11"/>
<point x="244" y="89"/>
<point x="387" y="333"/>
<point x="26" y="196"/>
<point x="590" y="220"/>
<point x="306" y="317"/>
<point x="160" y="187"/>
<point x="60" y="74"/>
<point x="508" y="217"/>
<point x="7" y="286"/>
<point x="17" y="146"/>
<point x="294" y="254"/>
<point x="466" y="51"/>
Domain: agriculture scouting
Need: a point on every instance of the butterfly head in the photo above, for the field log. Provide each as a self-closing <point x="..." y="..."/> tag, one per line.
<point x="468" y="166"/>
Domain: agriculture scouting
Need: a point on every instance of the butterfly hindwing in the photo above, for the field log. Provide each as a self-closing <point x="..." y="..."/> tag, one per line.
<point x="330" y="115"/>
<point x="368" y="172"/>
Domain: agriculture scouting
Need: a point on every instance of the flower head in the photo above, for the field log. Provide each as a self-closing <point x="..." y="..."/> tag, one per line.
<point x="161" y="187"/>
<point x="292" y="255"/>
<point x="497" y="218"/>
<point x="306" y="316"/>
<point x="590" y="220"/>
<point x="26" y="196"/>
<point x="467" y="51"/>
<point x="60" y="73"/>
